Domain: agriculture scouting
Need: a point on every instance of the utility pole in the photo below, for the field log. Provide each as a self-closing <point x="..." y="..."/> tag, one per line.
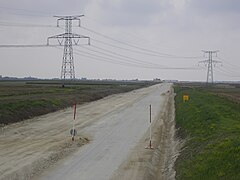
<point x="69" y="39"/>
<point x="210" y="63"/>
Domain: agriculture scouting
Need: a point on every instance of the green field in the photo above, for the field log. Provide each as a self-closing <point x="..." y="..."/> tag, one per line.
<point x="210" y="125"/>
<point x="20" y="100"/>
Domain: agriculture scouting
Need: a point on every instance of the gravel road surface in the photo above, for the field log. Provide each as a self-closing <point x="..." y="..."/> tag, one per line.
<point x="41" y="148"/>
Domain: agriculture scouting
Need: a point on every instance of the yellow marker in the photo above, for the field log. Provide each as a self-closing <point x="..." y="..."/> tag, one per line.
<point x="185" y="98"/>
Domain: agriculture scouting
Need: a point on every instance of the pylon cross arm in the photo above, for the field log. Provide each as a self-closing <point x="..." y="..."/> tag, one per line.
<point x="67" y="35"/>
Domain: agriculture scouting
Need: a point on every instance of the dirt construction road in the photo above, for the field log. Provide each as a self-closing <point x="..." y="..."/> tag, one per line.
<point x="114" y="130"/>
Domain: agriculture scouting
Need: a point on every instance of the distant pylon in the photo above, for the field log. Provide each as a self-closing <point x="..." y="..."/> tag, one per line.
<point x="70" y="39"/>
<point x="210" y="62"/>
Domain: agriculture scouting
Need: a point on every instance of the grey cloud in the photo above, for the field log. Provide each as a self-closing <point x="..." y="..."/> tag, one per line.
<point x="132" y="13"/>
<point x="44" y="7"/>
<point x="215" y="6"/>
<point x="141" y="6"/>
<point x="178" y="29"/>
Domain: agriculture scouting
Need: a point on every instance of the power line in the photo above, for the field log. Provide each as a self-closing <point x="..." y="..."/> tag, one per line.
<point x="141" y="52"/>
<point x="110" y="59"/>
<point x="230" y="64"/>
<point x="70" y="39"/>
<point x="123" y="56"/>
<point x="229" y="71"/>
<point x="221" y="71"/>
<point x="148" y="51"/>
<point x="4" y="23"/>
<point x="106" y="59"/>
<point x="126" y="49"/>
<point x="229" y="68"/>
<point x="131" y="34"/>
<point x="122" y="42"/>
<point x="129" y="63"/>
<point x="113" y="56"/>
<point x="25" y="12"/>
<point x="25" y="45"/>
<point x="33" y="45"/>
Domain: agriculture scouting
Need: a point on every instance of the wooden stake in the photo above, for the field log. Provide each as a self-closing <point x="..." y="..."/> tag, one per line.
<point x="150" y="128"/>
<point x="74" y="117"/>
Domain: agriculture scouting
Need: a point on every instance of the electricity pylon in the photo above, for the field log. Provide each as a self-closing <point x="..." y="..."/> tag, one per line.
<point x="69" y="39"/>
<point x="210" y="62"/>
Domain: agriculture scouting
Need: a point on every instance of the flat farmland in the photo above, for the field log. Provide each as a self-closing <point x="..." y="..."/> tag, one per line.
<point x="20" y="100"/>
<point x="230" y="92"/>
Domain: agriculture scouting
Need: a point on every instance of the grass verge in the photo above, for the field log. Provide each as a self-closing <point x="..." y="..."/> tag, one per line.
<point x="211" y="126"/>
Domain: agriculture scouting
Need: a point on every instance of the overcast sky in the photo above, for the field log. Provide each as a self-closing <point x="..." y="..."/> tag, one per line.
<point x="131" y="39"/>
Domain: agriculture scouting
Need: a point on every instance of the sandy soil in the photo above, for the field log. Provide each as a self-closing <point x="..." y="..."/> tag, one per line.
<point x="28" y="148"/>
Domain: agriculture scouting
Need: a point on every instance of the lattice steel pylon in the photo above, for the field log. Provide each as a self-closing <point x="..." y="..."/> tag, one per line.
<point x="70" y="39"/>
<point x="210" y="62"/>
